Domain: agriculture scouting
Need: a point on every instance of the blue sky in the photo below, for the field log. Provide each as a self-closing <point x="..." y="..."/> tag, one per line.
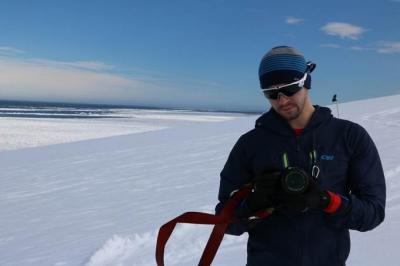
<point x="193" y="54"/>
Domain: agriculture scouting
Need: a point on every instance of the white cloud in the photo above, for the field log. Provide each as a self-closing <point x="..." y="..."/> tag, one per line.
<point x="89" y="65"/>
<point x="8" y="49"/>
<point x="98" y="82"/>
<point x="343" y="30"/>
<point x="293" y="20"/>
<point x="360" y="48"/>
<point x="388" y="47"/>
<point x="41" y="79"/>
<point x="382" y="47"/>
<point x="47" y="80"/>
<point x="330" y="45"/>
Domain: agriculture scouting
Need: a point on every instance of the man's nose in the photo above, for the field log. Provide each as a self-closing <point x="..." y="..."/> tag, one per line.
<point x="282" y="98"/>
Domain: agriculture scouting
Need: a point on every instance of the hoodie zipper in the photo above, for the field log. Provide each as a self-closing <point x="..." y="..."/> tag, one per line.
<point x="297" y="144"/>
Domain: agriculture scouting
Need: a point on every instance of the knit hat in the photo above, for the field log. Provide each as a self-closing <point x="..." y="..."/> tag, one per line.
<point x="283" y="65"/>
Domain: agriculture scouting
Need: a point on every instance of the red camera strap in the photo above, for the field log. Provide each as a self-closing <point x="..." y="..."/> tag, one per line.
<point x="221" y="222"/>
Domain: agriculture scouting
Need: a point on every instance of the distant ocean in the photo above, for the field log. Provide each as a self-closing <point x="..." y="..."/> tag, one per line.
<point x="29" y="109"/>
<point x="48" y="110"/>
<point x="25" y="109"/>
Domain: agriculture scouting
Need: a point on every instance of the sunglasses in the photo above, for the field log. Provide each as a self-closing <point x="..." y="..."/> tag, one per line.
<point x="287" y="89"/>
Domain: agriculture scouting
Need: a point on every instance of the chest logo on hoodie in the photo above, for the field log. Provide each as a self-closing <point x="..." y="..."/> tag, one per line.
<point x="327" y="157"/>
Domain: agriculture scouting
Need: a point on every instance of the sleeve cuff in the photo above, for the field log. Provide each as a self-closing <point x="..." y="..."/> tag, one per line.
<point x="334" y="203"/>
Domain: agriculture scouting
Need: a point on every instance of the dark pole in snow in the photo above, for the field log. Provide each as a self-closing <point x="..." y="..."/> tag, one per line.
<point x="334" y="100"/>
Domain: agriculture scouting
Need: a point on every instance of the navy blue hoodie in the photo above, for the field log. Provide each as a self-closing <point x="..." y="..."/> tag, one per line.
<point x="349" y="166"/>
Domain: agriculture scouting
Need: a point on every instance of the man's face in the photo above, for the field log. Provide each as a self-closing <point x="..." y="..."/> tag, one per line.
<point x="291" y="107"/>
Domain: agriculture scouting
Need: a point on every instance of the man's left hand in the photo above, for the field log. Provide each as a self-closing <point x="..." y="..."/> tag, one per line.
<point x="312" y="198"/>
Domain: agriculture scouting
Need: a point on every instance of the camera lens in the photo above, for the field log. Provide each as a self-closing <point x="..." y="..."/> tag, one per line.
<point x="295" y="181"/>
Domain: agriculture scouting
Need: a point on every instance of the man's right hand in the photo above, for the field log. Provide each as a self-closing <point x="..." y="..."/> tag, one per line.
<point x="267" y="187"/>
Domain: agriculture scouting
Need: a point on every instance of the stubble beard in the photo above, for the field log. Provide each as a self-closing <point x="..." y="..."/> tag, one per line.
<point x="297" y="109"/>
<point x="292" y="115"/>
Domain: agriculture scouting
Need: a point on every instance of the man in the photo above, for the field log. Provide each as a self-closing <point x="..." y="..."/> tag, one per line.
<point x="343" y="182"/>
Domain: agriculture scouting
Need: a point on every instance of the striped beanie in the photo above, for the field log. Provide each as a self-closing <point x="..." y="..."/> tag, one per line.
<point x="282" y="65"/>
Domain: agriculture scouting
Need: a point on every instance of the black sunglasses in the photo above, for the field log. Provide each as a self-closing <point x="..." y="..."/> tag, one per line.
<point x="287" y="89"/>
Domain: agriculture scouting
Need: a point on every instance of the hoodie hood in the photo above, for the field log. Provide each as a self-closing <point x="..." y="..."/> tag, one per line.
<point x="272" y="121"/>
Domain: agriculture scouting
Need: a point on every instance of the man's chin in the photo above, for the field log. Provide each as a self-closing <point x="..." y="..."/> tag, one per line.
<point x="289" y="114"/>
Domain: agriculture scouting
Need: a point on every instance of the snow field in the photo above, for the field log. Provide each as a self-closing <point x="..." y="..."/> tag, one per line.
<point x="101" y="202"/>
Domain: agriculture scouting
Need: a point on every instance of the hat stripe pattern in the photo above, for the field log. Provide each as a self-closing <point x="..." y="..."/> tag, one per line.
<point x="282" y="62"/>
<point x="282" y="65"/>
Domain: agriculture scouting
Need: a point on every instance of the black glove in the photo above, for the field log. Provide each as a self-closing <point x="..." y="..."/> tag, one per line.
<point x="267" y="187"/>
<point x="312" y="198"/>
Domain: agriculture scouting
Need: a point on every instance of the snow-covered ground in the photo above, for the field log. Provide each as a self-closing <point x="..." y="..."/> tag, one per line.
<point x="100" y="201"/>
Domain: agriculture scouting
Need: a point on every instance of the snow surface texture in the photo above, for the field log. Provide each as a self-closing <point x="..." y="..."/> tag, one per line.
<point x="100" y="202"/>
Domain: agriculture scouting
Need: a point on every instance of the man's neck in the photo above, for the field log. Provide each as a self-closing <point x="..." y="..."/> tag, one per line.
<point x="304" y="117"/>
